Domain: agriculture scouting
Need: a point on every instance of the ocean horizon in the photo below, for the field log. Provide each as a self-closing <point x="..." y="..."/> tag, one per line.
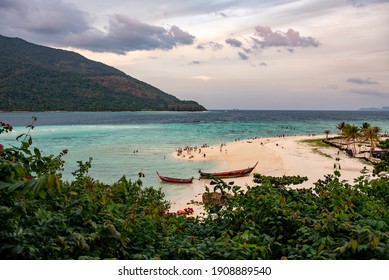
<point x="126" y="143"/>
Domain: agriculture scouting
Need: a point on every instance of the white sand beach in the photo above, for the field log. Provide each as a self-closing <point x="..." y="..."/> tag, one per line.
<point x="276" y="157"/>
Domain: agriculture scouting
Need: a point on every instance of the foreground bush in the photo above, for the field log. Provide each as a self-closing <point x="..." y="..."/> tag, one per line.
<point x="333" y="220"/>
<point x="45" y="217"/>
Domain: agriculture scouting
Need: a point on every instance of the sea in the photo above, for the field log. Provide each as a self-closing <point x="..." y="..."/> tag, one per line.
<point x="129" y="143"/>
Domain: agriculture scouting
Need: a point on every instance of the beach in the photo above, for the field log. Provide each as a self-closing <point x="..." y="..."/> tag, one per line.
<point x="111" y="139"/>
<point x="277" y="156"/>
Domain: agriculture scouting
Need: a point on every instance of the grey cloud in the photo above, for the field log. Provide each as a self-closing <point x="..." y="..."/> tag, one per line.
<point x="367" y="92"/>
<point x="356" y="3"/>
<point x="266" y="38"/>
<point x="60" y="24"/>
<point x="181" y="37"/>
<point x="359" y="81"/>
<point x="263" y="64"/>
<point x="247" y="50"/>
<point x="8" y="3"/>
<point x="42" y="17"/>
<point x="234" y="42"/>
<point x="243" y="56"/>
<point x="128" y="34"/>
<point x="222" y="14"/>
<point x="362" y="4"/>
<point x="212" y="45"/>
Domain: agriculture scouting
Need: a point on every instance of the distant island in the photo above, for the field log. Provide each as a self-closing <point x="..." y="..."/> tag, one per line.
<point x="39" y="78"/>
<point x="385" y="109"/>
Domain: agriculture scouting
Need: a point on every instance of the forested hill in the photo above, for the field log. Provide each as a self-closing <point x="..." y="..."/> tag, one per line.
<point x="38" y="78"/>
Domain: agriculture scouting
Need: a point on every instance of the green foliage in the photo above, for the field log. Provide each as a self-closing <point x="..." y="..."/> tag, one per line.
<point x="384" y="144"/>
<point x="333" y="220"/>
<point x="279" y="181"/>
<point x="83" y="169"/>
<point x="382" y="165"/>
<point x="317" y="143"/>
<point x="44" y="217"/>
<point x="37" y="78"/>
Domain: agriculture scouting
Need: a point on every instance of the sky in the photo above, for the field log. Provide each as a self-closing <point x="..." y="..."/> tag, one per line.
<point x="226" y="54"/>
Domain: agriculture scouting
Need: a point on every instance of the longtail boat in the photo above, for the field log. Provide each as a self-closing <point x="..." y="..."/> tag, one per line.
<point x="228" y="174"/>
<point x="175" y="180"/>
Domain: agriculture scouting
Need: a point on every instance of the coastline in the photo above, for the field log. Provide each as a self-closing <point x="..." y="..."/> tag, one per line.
<point x="276" y="156"/>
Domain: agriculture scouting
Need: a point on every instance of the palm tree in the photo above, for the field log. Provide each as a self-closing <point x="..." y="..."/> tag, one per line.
<point x="327" y="132"/>
<point x="352" y="132"/>
<point x="365" y="125"/>
<point x="372" y="134"/>
<point x="341" y="126"/>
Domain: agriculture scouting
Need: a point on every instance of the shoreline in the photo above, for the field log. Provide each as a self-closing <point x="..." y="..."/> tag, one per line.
<point x="276" y="156"/>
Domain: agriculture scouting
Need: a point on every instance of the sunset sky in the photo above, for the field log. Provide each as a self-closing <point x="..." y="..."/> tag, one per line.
<point x="225" y="54"/>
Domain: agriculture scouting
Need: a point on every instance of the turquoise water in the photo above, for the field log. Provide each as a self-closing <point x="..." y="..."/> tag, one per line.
<point x="111" y="138"/>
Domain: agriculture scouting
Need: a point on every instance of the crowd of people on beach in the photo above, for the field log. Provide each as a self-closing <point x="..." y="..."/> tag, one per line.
<point x="189" y="150"/>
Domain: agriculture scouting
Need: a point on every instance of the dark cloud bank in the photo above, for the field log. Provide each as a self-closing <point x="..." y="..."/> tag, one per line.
<point x="61" y="24"/>
<point x="128" y="34"/>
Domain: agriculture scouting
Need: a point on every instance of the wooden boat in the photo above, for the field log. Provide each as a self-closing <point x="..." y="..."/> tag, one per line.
<point x="175" y="180"/>
<point x="228" y="174"/>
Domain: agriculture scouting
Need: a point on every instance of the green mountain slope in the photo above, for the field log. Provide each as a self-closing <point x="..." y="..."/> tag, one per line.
<point x="38" y="78"/>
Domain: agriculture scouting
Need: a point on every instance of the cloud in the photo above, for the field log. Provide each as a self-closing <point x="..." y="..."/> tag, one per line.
<point x="362" y="4"/>
<point x="266" y="38"/>
<point x="247" y="50"/>
<point x="359" y="81"/>
<point x="43" y="17"/>
<point x="129" y="34"/>
<point x="356" y="3"/>
<point x="61" y="24"/>
<point x="221" y="14"/>
<point x="212" y="45"/>
<point x="367" y="92"/>
<point x="243" y="56"/>
<point x="202" y="78"/>
<point x="234" y="42"/>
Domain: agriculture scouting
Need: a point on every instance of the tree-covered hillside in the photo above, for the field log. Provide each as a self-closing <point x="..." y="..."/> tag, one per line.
<point x="38" y="78"/>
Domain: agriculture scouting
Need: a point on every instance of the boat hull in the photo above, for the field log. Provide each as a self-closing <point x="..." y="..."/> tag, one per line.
<point x="228" y="174"/>
<point x="175" y="180"/>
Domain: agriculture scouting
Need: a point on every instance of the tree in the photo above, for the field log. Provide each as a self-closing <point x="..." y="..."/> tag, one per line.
<point x="372" y="134"/>
<point x="327" y="132"/>
<point x="341" y="126"/>
<point x="384" y="144"/>
<point x="352" y="132"/>
<point x="365" y="125"/>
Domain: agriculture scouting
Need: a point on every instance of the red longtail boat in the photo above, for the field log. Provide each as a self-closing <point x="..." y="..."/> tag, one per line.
<point x="228" y="174"/>
<point x="175" y="180"/>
